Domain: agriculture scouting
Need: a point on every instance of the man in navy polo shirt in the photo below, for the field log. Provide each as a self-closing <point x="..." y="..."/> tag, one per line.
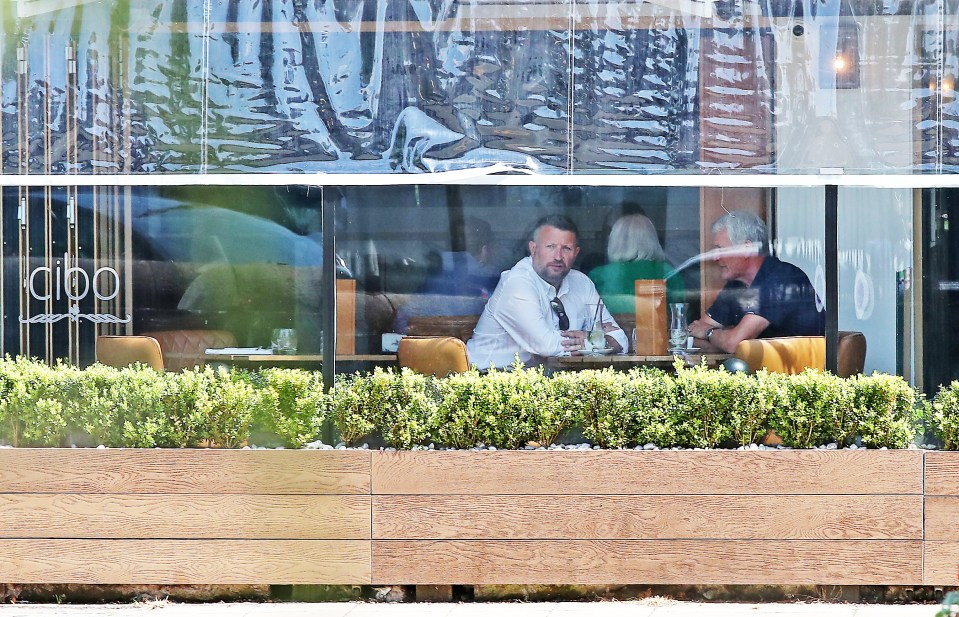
<point x="763" y="296"/>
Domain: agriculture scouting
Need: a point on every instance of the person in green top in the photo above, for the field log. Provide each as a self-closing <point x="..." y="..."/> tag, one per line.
<point x="634" y="254"/>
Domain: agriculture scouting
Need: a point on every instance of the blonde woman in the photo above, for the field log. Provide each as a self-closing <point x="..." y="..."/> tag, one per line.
<point x="634" y="254"/>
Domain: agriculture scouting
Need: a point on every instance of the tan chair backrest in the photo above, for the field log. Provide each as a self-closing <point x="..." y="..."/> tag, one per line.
<point x="852" y="353"/>
<point x="794" y="354"/>
<point x="788" y="354"/>
<point x="456" y="326"/>
<point x="120" y="351"/>
<point x="433" y="355"/>
<point x="184" y="349"/>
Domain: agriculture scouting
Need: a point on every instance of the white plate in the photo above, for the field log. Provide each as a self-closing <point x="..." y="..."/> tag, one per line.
<point x="599" y="352"/>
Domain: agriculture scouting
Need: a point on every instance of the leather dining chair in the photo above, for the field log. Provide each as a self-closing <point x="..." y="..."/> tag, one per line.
<point x="794" y="354"/>
<point x="433" y="355"/>
<point x="121" y="351"/>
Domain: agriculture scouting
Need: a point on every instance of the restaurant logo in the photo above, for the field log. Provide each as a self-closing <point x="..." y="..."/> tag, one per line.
<point x="74" y="284"/>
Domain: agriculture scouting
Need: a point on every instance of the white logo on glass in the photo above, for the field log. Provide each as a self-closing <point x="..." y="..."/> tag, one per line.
<point x="74" y="290"/>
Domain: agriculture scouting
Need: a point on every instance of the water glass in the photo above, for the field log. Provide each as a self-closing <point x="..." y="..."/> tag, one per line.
<point x="678" y="326"/>
<point x="283" y="341"/>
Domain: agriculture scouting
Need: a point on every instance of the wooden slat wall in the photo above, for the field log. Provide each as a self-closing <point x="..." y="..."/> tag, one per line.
<point x="185" y="516"/>
<point x="702" y="517"/>
<point x="180" y="562"/>
<point x="631" y="472"/>
<point x="279" y="472"/>
<point x="489" y="562"/>
<point x="435" y="518"/>
<point x="941" y="548"/>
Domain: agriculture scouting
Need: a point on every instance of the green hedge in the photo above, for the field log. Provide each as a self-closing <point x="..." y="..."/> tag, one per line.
<point x="694" y="408"/>
<point x="138" y="407"/>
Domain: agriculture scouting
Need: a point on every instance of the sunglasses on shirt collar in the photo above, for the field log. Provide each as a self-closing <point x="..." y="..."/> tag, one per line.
<point x="557" y="305"/>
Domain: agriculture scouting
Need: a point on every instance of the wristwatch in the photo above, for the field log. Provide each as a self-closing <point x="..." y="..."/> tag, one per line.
<point x="709" y="334"/>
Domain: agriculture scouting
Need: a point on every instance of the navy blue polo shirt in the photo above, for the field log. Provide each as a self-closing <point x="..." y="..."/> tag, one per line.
<point x="781" y="293"/>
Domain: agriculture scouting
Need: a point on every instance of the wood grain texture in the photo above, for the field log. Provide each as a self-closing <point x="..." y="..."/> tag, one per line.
<point x="300" y="517"/>
<point x="633" y="472"/>
<point x="942" y="473"/>
<point x="942" y="518"/>
<point x="288" y="472"/>
<point x="186" y="562"/>
<point x="879" y="517"/>
<point x="940" y="562"/>
<point x="451" y="562"/>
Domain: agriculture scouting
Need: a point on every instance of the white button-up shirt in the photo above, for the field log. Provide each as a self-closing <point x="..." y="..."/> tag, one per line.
<point x="518" y="320"/>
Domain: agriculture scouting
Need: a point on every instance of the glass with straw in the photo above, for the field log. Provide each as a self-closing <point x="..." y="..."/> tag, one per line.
<point x="596" y="337"/>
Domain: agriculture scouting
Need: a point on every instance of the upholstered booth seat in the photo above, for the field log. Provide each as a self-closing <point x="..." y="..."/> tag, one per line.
<point x="793" y="354"/>
<point x="184" y="349"/>
<point x="433" y="355"/>
<point x="121" y="351"/>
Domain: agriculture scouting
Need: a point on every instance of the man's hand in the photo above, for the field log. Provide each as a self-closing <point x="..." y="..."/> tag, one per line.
<point x="574" y="340"/>
<point x="698" y="330"/>
<point x="611" y="342"/>
<point x="700" y="327"/>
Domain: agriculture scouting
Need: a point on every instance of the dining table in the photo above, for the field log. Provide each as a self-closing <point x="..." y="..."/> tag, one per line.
<point x="262" y="358"/>
<point x="628" y="361"/>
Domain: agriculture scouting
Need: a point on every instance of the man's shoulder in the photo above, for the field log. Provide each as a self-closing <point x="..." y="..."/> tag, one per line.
<point x="779" y="269"/>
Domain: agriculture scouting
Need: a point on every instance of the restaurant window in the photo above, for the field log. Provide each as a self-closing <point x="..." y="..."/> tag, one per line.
<point x="196" y="267"/>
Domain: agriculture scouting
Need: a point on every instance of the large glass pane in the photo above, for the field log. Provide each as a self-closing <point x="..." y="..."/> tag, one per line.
<point x="445" y="260"/>
<point x="876" y="267"/>
<point x="198" y="268"/>
<point x="790" y="86"/>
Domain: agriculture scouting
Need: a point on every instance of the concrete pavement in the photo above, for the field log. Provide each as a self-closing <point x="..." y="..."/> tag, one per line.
<point x="650" y="607"/>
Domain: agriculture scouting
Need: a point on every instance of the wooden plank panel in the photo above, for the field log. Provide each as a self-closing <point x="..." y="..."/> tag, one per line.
<point x="940" y="562"/>
<point x="62" y="470"/>
<point x="942" y="518"/>
<point x="186" y="562"/>
<point x="647" y="517"/>
<point x="793" y="562"/>
<point x="345" y="316"/>
<point x="630" y="472"/>
<point x="942" y="473"/>
<point x="300" y="517"/>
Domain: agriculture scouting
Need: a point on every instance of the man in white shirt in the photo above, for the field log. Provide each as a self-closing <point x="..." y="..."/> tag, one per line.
<point x="541" y="305"/>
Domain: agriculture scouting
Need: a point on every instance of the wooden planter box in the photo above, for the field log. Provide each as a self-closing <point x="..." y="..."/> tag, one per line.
<point x="437" y="518"/>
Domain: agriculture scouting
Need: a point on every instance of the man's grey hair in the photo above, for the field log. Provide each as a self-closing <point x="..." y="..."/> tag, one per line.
<point x="633" y="238"/>
<point x="742" y="227"/>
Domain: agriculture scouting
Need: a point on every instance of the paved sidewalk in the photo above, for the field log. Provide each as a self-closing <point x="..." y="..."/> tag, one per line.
<point x="653" y="607"/>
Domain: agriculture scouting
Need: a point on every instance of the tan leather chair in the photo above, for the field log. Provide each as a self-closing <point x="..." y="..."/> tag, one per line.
<point x="433" y="355"/>
<point x="456" y="326"/>
<point x="794" y="354"/>
<point x="184" y="349"/>
<point x="852" y="353"/>
<point x="121" y="351"/>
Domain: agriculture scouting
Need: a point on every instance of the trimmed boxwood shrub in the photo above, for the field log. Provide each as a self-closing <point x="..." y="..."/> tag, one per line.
<point x="944" y="415"/>
<point x="694" y="407"/>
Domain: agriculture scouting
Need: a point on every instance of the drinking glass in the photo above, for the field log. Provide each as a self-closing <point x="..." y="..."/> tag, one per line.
<point x="678" y="326"/>
<point x="596" y="337"/>
<point x="284" y="341"/>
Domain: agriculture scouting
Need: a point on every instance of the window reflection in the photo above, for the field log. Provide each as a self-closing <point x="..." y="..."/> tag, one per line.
<point x="555" y="87"/>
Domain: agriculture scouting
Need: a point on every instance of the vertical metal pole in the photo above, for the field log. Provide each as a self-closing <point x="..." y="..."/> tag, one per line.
<point x="328" y="320"/>
<point x="832" y="278"/>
